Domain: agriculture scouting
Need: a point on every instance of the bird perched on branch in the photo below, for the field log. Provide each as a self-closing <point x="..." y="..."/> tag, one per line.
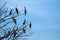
<point x="14" y="20"/>
<point x="25" y="11"/>
<point x="24" y="22"/>
<point x="10" y="12"/>
<point x="14" y="33"/>
<point x="30" y="25"/>
<point x="24" y="30"/>
<point x="17" y="11"/>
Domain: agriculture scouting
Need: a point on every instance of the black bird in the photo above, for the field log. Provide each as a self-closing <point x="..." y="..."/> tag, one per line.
<point x="14" y="20"/>
<point x="30" y="25"/>
<point x="24" y="22"/>
<point x="25" y="11"/>
<point x="10" y="12"/>
<point x="16" y="10"/>
<point x="24" y="30"/>
<point x="15" y="33"/>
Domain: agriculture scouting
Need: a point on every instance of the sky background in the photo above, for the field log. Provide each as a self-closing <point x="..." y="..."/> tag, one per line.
<point x="44" y="15"/>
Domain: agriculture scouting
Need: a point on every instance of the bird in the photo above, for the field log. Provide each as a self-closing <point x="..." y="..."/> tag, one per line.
<point x="25" y="11"/>
<point x="17" y="11"/>
<point x="24" y="30"/>
<point x="30" y="25"/>
<point x="24" y="22"/>
<point x="15" y="33"/>
<point x="14" y="20"/>
<point x="10" y="12"/>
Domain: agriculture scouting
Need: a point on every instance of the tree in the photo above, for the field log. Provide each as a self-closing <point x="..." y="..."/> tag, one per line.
<point x="16" y="32"/>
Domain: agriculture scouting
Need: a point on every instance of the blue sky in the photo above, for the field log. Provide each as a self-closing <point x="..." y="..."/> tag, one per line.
<point x="45" y="17"/>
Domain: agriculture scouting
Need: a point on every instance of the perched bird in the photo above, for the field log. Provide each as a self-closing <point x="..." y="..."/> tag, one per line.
<point x="14" y="20"/>
<point x="16" y="10"/>
<point x="24" y="30"/>
<point x="10" y="12"/>
<point x="25" y="11"/>
<point x="15" y="33"/>
<point x="30" y="25"/>
<point x="24" y="22"/>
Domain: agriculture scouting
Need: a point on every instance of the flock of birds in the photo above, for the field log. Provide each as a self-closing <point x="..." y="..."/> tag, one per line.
<point x="14" y="20"/>
<point x="25" y="11"/>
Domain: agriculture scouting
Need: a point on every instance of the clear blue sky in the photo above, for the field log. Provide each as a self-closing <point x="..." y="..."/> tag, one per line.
<point x="45" y="17"/>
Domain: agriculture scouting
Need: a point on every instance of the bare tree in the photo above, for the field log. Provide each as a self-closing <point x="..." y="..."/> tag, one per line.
<point x="16" y="32"/>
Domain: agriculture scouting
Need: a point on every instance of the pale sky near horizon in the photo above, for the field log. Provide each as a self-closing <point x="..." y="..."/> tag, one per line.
<point x="44" y="15"/>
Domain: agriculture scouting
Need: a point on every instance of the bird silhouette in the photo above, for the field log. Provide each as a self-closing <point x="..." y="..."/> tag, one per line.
<point x="25" y="11"/>
<point x="15" y="33"/>
<point x="30" y="25"/>
<point x="24" y="30"/>
<point x="10" y="12"/>
<point x="24" y="22"/>
<point x="17" y="11"/>
<point x="14" y="20"/>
